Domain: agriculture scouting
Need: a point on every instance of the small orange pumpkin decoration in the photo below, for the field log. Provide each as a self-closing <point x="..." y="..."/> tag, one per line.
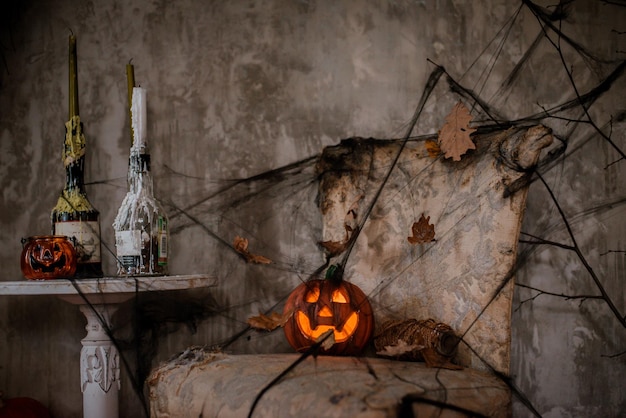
<point x="46" y="257"/>
<point x="320" y="305"/>
<point x="22" y="408"/>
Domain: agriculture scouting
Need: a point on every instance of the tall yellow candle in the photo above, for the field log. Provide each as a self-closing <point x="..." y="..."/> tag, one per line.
<point x="73" y="79"/>
<point x="130" y="80"/>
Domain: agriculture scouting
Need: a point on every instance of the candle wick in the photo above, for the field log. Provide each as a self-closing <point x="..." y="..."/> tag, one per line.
<point x="130" y="61"/>
<point x="71" y="31"/>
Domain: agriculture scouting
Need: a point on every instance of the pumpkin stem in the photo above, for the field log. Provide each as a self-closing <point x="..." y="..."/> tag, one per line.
<point x="334" y="274"/>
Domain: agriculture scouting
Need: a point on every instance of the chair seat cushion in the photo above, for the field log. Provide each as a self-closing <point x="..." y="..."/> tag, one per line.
<point x="201" y="383"/>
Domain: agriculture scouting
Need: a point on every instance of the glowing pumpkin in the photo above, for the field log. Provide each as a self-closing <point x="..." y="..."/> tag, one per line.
<point x="331" y="304"/>
<point x="47" y="257"/>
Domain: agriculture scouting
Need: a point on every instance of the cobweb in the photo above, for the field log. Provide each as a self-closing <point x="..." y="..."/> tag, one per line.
<point x="277" y="210"/>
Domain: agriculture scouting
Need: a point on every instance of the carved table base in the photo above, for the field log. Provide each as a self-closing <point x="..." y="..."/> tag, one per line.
<point x="99" y="364"/>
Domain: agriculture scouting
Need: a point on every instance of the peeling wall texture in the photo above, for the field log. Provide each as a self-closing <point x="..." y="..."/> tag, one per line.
<point x="243" y="96"/>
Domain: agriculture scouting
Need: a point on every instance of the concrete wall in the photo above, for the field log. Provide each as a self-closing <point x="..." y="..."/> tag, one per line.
<point x="239" y="88"/>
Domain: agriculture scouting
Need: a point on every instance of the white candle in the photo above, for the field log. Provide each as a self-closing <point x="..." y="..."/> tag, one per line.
<point x="139" y="114"/>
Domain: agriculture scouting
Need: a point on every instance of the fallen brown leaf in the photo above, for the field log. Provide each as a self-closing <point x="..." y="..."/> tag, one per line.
<point x="454" y="136"/>
<point x="400" y="348"/>
<point x="423" y="232"/>
<point x="241" y="246"/>
<point x="335" y="248"/>
<point x="269" y="322"/>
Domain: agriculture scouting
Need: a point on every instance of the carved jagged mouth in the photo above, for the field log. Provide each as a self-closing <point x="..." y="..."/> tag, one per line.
<point x="314" y="333"/>
<point x="47" y="264"/>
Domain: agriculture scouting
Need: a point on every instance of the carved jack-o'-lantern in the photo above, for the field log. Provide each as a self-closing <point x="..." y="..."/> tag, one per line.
<point x="330" y="304"/>
<point x="47" y="257"/>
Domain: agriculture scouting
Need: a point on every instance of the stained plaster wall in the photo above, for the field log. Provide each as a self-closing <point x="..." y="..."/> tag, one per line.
<point x="241" y="87"/>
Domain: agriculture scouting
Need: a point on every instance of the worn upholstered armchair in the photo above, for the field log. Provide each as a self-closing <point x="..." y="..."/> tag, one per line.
<point x="463" y="278"/>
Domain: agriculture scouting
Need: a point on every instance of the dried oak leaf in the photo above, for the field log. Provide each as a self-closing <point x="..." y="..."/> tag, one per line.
<point x="454" y="136"/>
<point x="423" y="232"/>
<point x="241" y="246"/>
<point x="269" y="322"/>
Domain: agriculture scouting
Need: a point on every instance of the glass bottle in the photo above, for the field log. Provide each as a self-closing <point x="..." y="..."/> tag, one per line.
<point x="141" y="225"/>
<point x="73" y="215"/>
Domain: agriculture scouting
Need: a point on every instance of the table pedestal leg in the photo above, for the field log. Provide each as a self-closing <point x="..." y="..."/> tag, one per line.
<point x="99" y="365"/>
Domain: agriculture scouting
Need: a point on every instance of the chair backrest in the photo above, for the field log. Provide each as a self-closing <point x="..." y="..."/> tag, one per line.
<point x="464" y="277"/>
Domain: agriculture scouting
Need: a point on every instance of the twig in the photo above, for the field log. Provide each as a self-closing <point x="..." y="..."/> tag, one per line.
<point x="551" y="116"/>
<point x="545" y="292"/>
<point x="539" y="241"/>
<point x="433" y="79"/>
<point x="534" y="9"/>
<point x="311" y="351"/>
<point x="613" y="355"/>
<point x="614" y="3"/>
<point x="407" y="401"/>
<point x="612" y="251"/>
<point x="576" y="249"/>
<point x="508" y="381"/>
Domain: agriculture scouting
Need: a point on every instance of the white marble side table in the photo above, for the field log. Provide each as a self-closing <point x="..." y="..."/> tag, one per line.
<point x="98" y="300"/>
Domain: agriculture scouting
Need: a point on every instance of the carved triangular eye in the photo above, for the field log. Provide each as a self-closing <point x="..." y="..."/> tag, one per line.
<point x="312" y="295"/>
<point x="339" y="296"/>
